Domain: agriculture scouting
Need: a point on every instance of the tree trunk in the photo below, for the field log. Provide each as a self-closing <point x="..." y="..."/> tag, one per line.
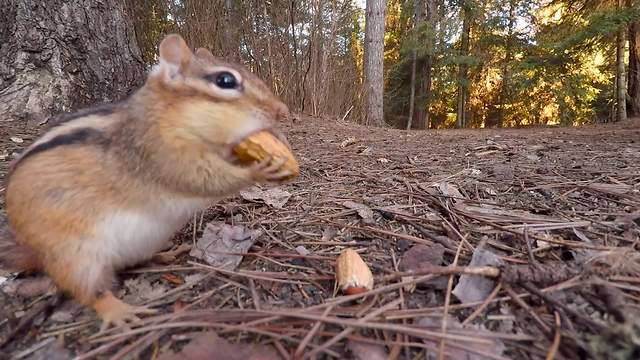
<point x="412" y="96"/>
<point x="621" y="91"/>
<point x="374" y="62"/>
<point x="464" y="68"/>
<point x="425" y="17"/>
<point x="634" y="68"/>
<point x="428" y="82"/>
<point x="58" y="56"/>
<point x="505" y="90"/>
<point x="326" y="52"/>
<point x="296" y="65"/>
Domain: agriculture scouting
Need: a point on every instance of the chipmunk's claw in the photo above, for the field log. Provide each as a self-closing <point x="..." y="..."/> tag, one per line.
<point x="270" y="169"/>
<point x="114" y="312"/>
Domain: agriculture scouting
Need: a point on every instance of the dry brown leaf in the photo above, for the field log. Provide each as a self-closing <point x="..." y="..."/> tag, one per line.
<point x="367" y="150"/>
<point x="434" y="323"/>
<point x="472" y="288"/>
<point x="629" y="219"/>
<point x="140" y="289"/>
<point x="503" y="171"/>
<point x="301" y="250"/>
<point x="367" y="351"/>
<point x="62" y="316"/>
<point x="611" y="188"/>
<point x="50" y="349"/>
<point x="533" y="157"/>
<point x="274" y="197"/>
<point x="399" y="210"/>
<point x="485" y="153"/>
<point x="329" y="233"/>
<point x="209" y="346"/>
<point x="29" y="288"/>
<point x="363" y="211"/>
<point x="486" y="209"/>
<point x="421" y="256"/>
<point x="349" y="141"/>
<point x="450" y="190"/>
<point x="491" y="191"/>
<point x="219" y="241"/>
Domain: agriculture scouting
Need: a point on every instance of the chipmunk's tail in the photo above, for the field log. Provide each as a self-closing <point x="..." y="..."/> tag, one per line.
<point x="14" y="256"/>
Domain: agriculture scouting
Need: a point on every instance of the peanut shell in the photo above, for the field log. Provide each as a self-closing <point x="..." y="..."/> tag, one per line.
<point x="260" y="146"/>
<point x="352" y="273"/>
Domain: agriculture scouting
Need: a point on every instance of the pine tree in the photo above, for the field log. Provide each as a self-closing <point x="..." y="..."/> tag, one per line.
<point x="374" y="62"/>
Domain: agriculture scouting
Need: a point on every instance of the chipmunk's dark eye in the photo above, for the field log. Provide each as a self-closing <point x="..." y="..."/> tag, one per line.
<point x="224" y="80"/>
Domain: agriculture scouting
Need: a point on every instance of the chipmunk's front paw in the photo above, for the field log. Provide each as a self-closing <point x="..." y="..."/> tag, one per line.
<point x="270" y="170"/>
<point x="114" y="312"/>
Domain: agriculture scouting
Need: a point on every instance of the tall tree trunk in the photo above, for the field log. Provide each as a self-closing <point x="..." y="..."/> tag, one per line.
<point x="374" y="62"/>
<point x="464" y="68"/>
<point x="327" y="51"/>
<point x="296" y="66"/>
<point x="634" y="67"/>
<point x="412" y="96"/>
<point x="428" y="82"/>
<point x="425" y="22"/>
<point x="505" y="90"/>
<point x="58" y="56"/>
<point x="265" y="14"/>
<point x="621" y="86"/>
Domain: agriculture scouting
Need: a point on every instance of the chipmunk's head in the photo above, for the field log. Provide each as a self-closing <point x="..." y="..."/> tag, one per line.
<point x="211" y="102"/>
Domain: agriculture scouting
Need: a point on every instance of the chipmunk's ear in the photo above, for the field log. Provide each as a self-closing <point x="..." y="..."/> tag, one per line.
<point x="175" y="56"/>
<point x="206" y="56"/>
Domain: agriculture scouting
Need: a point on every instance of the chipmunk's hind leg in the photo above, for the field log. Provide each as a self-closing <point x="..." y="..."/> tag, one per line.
<point x="90" y="284"/>
<point x="13" y="255"/>
<point x="114" y="311"/>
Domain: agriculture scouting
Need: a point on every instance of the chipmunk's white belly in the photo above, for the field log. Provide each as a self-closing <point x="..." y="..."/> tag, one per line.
<point x="129" y="236"/>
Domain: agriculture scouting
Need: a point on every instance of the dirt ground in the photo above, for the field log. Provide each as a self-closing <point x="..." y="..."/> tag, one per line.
<point x="550" y="216"/>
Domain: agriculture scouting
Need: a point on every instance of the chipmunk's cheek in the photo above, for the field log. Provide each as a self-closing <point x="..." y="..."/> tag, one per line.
<point x="227" y="154"/>
<point x="250" y="127"/>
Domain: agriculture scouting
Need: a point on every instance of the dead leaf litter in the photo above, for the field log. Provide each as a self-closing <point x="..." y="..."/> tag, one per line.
<point x="544" y="230"/>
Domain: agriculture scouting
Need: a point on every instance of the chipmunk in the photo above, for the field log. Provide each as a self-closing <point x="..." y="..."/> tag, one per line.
<point x="109" y="187"/>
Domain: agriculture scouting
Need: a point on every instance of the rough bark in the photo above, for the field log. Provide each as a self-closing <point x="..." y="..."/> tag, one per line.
<point x="621" y="85"/>
<point x="327" y="50"/>
<point x="464" y="68"/>
<point x="412" y="96"/>
<point x="505" y="89"/>
<point x="296" y="60"/>
<point x="374" y="62"/>
<point x="58" y="56"/>
<point x="425" y="20"/>
<point x="414" y="65"/>
<point x="634" y="69"/>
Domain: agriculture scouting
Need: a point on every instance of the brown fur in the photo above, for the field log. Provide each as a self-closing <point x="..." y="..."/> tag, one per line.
<point x="170" y="140"/>
<point x="14" y="256"/>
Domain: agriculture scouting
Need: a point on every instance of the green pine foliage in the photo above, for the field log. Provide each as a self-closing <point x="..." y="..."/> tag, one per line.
<point x="530" y="62"/>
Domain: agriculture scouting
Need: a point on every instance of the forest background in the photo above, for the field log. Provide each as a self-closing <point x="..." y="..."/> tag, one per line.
<point x="446" y="63"/>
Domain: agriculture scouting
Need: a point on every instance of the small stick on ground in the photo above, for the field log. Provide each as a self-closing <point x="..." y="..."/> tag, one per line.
<point x="305" y="341"/>
<point x="553" y="350"/>
<point x="447" y="300"/>
<point x="514" y="296"/>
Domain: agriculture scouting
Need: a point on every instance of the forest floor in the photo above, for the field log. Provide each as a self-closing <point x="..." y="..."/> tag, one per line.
<point x="549" y="218"/>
